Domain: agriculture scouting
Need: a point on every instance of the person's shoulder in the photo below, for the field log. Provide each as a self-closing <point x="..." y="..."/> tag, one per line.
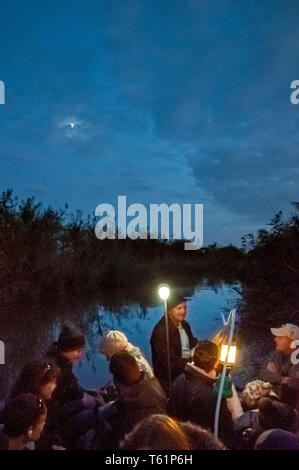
<point x="159" y="326"/>
<point x="180" y="379"/>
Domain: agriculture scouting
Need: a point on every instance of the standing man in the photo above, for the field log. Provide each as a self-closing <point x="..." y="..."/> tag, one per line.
<point x="181" y="341"/>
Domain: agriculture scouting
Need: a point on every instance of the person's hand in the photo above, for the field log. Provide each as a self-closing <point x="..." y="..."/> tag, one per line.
<point x="272" y="367"/>
<point x="234" y="405"/>
<point x="54" y="447"/>
<point x="285" y="380"/>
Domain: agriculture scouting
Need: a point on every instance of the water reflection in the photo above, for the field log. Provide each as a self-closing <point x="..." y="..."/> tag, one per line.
<point x="27" y="334"/>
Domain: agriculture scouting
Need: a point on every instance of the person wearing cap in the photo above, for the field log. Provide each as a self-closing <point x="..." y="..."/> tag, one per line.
<point x="115" y="341"/>
<point x="181" y="342"/>
<point x="64" y="353"/>
<point x="75" y="404"/>
<point x="280" y="370"/>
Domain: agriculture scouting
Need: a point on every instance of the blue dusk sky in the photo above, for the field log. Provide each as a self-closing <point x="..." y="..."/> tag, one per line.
<point x="171" y="100"/>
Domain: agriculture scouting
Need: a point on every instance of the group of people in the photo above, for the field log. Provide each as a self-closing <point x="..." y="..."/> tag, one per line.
<point x="167" y="406"/>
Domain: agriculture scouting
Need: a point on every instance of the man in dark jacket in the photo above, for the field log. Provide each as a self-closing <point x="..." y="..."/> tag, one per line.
<point x="74" y="405"/>
<point x="193" y="396"/>
<point x="64" y="353"/>
<point x="181" y="341"/>
<point x="139" y="396"/>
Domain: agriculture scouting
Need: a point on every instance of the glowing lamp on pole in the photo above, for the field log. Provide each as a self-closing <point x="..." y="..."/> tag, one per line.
<point x="164" y="292"/>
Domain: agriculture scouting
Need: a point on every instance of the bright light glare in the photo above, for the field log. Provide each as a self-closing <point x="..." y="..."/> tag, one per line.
<point x="164" y="292"/>
<point x="231" y="359"/>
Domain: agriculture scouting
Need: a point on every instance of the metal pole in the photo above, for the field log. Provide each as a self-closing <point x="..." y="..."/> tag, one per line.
<point x="231" y="318"/>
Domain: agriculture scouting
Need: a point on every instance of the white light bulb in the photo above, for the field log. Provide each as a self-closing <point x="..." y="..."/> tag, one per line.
<point x="164" y="292"/>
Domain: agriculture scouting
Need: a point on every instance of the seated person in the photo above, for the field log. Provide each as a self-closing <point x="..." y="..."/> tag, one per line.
<point x="75" y="405"/>
<point x="138" y="396"/>
<point x="181" y="342"/>
<point x="157" y="432"/>
<point x="279" y="370"/>
<point x="40" y="378"/>
<point x="115" y="341"/>
<point x="277" y="439"/>
<point x="270" y="414"/>
<point x="23" y="418"/>
<point x="201" y="439"/>
<point x="193" y="396"/>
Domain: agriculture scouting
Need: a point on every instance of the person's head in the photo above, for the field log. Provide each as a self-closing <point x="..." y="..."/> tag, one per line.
<point x="125" y="369"/>
<point x="254" y="391"/>
<point x="71" y="343"/>
<point x="24" y="417"/>
<point x="205" y="355"/>
<point x="277" y="439"/>
<point x="201" y="439"/>
<point x="284" y="336"/>
<point x="38" y="378"/>
<point x="177" y="310"/>
<point x="275" y="414"/>
<point x="112" y="342"/>
<point x="156" y="432"/>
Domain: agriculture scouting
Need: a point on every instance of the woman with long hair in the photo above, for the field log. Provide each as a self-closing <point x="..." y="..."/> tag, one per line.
<point x="23" y="421"/>
<point x="39" y="378"/>
<point x="156" y="432"/>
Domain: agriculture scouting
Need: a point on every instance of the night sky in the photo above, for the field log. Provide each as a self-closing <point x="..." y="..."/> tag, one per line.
<point x="171" y="100"/>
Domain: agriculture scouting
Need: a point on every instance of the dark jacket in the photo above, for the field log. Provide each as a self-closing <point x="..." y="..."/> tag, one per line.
<point x="51" y="432"/>
<point x="68" y="396"/>
<point x="135" y="402"/>
<point x="159" y="355"/>
<point x="68" y="388"/>
<point x="247" y="430"/>
<point x="288" y="393"/>
<point x="193" y="399"/>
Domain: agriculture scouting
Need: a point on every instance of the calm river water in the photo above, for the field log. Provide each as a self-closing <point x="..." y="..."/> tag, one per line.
<point x="28" y="334"/>
<point x="204" y="309"/>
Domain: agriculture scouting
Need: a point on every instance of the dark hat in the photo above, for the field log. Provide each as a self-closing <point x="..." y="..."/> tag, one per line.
<point x="70" y="338"/>
<point x="277" y="439"/>
<point x="177" y="296"/>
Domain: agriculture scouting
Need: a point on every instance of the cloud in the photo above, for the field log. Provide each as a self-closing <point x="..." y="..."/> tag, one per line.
<point x="175" y="102"/>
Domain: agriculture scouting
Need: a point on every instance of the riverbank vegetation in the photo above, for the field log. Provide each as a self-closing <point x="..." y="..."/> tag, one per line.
<point x="270" y="279"/>
<point x="47" y="254"/>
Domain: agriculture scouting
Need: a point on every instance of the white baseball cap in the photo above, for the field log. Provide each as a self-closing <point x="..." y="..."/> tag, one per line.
<point x="288" y="330"/>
